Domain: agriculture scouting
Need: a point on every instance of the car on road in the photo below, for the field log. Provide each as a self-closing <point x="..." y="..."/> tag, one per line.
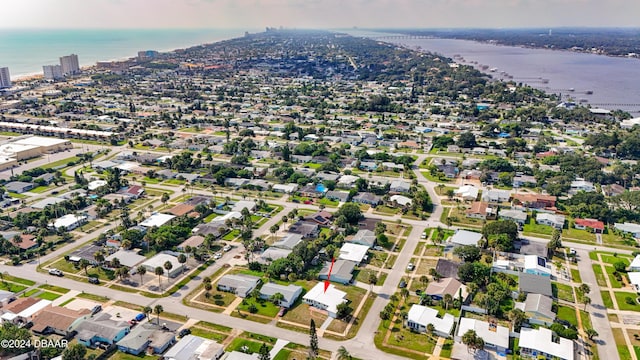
<point x="140" y="317"/>
<point x="184" y="332"/>
<point x="423" y="236"/>
<point x="94" y="280"/>
<point x="227" y="248"/>
<point x="217" y="256"/>
<point x="55" y="272"/>
<point x="410" y="267"/>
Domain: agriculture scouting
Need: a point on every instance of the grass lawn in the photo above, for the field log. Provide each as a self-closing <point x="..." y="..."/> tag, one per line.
<point x="563" y="291"/>
<point x="532" y="227"/>
<point x="219" y="298"/>
<point x="606" y="299"/>
<point x="210" y="217"/>
<point x="427" y="174"/>
<point x="60" y="162"/>
<point x="48" y="296"/>
<point x="567" y="313"/>
<point x="231" y="235"/>
<point x="586" y="319"/>
<point x="447" y="347"/>
<point x="18" y="280"/>
<point x="265" y="308"/>
<point x="597" y="269"/>
<point x="363" y="276"/>
<point x="215" y="327"/>
<point x="93" y="297"/>
<point x="377" y="258"/>
<point x="615" y="283"/>
<point x="39" y="189"/>
<point x="238" y="343"/>
<point x="196" y="331"/>
<point x="30" y="292"/>
<point x="383" y="209"/>
<point x="575" y="275"/>
<point x="119" y="355"/>
<point x="621" y="344"/>
<point x="328" y="202"/>
<point x="574" y="233"/>
<point x="621" y="299"/>
<point x="57" y="289"/>
<point x="611" y="258"/>
<point x="12" y="287"/>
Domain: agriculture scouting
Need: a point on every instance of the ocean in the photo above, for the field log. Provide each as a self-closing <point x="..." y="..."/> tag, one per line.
<point x="26" y="51"/>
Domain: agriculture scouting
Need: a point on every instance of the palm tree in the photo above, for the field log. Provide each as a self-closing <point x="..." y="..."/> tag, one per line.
<point x="404" y="293"/>
<point x="99" y="257"/>
<point x="343" y="354"/>
<point x="277" y="298"/>
<point x="159" y="271"/>
<point x="147" y="310"/>
<point x="168" y="265"/>
<point x="274" y="229"/>
<point x="84" y="263"/>
<point x="158" y="310"/>
<point x="447" y="300"/>
<point x="591" y="333"/>
<point x="141" y="270"/>
<point x="430" y="329"/>
<point x="373" y="279"/>
<point x="182" y="259"/>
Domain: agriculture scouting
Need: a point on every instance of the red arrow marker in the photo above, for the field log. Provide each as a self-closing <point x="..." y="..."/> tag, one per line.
<point x="326" y="282"/>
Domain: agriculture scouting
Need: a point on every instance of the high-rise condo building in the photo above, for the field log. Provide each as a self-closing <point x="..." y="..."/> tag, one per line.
<point x="5" y="79"/>
<point x="69" y="64"/>
<point x="52" y="72"/>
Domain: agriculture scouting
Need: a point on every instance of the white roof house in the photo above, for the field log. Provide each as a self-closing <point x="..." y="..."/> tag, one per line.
<point x="631" y="228"/>
<point x="348" y="180"/>
<point x="33" y="309"/>
<point x="328" y="300"/>
<point x="634" y="279"/>
<point x="467" y="192"/>
<point x="492" y="334"/>
<point x="400" y="200"/>
<point x="421" y="316"/>
<point x="536" y="342"/>
<point x="96" y="184"/>
<point x="465" y="237"/>
<point x="69" y="221"/>
<point x="192" y="347"/>
<point x="157" y="219"/>
<point x="159" y="260"/>
<point x="291" y="293"/>
<point x="635" y="264"/>
<point x="353" y="252"/>
<point x="242" y="204"/>
<point x="534" y="264"/>
<point x="557" y="221"/>
<point x="127" y="258"/>
<point x="285" y="188"/>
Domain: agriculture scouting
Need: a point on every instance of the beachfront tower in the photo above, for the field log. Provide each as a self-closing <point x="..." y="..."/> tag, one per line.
<point x="5" y="80"/>
<point x="52" y="72"/>
<point x="70" y="65"/>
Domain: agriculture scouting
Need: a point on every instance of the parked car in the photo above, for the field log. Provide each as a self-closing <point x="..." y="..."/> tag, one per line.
<point x="96" y="309"/>
<point x="140" y="317"/>
<point x="217" y="256"/>
<point x="184" y="332"/>
<point x="227" y="248"/>
<point x="55" y="272"/>
<point x="379" y="248"/>
<point x="94" y="280"/>
<point x="410" y="267"/>
<point x="403" y="284"/>
<point x="283" y="310"/>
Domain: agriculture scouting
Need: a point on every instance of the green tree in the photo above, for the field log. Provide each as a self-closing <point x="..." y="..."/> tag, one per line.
<point x="313" y="341"/>
<point x="351" y="212"/>
<point x="591" y="333"/>
<point x="264" y="352"/>
<point x="84" y="263"/>
<point x="141" y="270"/>
<point x="343" y="354"/>
<point x="74" y="352"/>
<point x="182" y="259"/>
<point x="468" y="253"/>
<point x="165" y="198"/>
<point x="159" y="271"/>
<point x="472" y="340"/>
<point x="517" y="317"/>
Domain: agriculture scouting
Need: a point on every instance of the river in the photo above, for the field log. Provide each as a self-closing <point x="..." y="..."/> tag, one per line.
<point x="614" y="81"/>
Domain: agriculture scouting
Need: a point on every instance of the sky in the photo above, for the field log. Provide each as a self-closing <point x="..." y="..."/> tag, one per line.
<point x="254" y="14"/>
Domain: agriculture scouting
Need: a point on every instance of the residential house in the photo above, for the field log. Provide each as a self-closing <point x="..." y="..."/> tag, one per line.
<point x="517" y="216"/>
<point x="194" y="241"/>
<point x="465" y="237"/>
<point x="496" y="337"/>
<point x="581" y="185"/>
<point x="25" y="242"/>
<point x="534" y="284"/>
<point x="467" y="192"/>
<point x="536" y="265"/>
<point x="289" y="241"/>
<point x="23" y="310"/>
<point x="18" y="187"/>
<point x="272" y="254"/>
<point x="481" y="210"/>
<point x="420" y="317"/>
<point x="449" y="171"/>
<point x="6" y="297"/>
<point x="524" y="181"/>
<point x="305" y="228"/>
<point x="542" y="343"/>
<point x="347" y="181"/>
<point x="134" y="191"/>
<point x="635" y="264"/>
<point x="539" y="309"/>
<point x="159" y="260"/>
<point x="367" y="198"/>
<point x="353" y="252"/>
<point x="239" y="284"/>
<point x="612" y="190"/>
<point x="535" y="201"/>
<point x="128" y="258"/>
<point x="68" y="222"/>
<point x="596" y="226"/>
<point x="147" y="337"/>
<point x="399" y="186"/>
<point x="311" y="191"/>
<point x="400" y="200"/>
<point x="341" y="272"/>
<point x="368" y="165"/>
<point x="290" y="293"/>
<point x="325" y="300"/>
<point x="553" y="220"/>
<point x="364" y="237"/>
<point x="634" y="279"/>
<point x="321" y="217"/>
<point x="181" y="209"/>
<point x="240" y="205"/>
<point x="496" y="196"/>
<point x="341" y="196"/>
<point x="447" y="286"/>
<point x="628" y="228"/>
<point x="192" y="347"/>
<point x="285" y="188"/>
<point x="101" y="329"/>
<point x="157" y="220"/>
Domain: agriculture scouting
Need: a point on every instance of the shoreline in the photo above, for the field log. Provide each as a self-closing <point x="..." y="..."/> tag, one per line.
<point x="38" y="75"/>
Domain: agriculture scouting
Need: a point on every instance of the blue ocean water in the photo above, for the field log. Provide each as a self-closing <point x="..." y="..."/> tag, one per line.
<point x="26" y="51"/>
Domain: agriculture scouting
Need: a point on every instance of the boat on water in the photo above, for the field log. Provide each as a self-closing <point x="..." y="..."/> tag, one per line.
<point x="493" y="69"/>
<point x="589" y="92"/>
<point x="572" y="89"/>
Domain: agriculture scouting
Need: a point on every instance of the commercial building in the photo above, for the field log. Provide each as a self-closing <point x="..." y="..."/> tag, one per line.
<point x="46" y="144"/>
<point x="5" y="78"/>
<point x="52" y="72"/>
<point x="70" y="65"/>
<point x="19" y="151"/>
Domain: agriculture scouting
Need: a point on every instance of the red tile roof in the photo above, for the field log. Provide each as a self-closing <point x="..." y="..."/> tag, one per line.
<point x="590" y="223"/>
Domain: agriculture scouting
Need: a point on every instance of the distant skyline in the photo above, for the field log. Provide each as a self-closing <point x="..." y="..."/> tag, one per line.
<point x="253" y="14"/>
